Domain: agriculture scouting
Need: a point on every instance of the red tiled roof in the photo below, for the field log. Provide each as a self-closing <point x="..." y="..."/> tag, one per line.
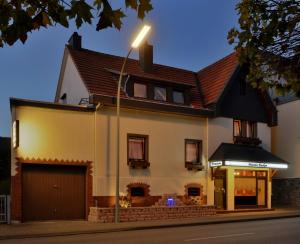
<point x="214" y="78"/>
<point x="93" y="68"/>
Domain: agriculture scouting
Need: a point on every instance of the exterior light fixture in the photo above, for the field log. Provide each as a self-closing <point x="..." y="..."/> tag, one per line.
<point x="15" y="134"/>
<point x="250" y="164"/>
<point x="136" y="43"/>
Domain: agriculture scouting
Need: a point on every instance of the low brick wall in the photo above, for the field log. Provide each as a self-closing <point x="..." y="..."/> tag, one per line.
<point x="105" y="215"/>
<point x="286" y="192"/>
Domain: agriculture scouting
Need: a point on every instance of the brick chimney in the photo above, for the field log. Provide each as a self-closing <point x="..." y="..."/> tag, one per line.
<point x="75" y="41"/>
<point x="146" y="57"/>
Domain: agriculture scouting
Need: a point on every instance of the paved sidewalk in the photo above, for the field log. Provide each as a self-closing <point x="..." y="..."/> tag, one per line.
<point x="56" y="228"/>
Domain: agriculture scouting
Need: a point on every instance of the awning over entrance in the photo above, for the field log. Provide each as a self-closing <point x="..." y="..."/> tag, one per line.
<point x="228" y="154"/>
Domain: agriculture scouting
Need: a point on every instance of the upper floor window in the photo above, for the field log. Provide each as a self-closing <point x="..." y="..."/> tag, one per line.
<point x="137" y="147"/>
<point x="178" y="97"/>
<point x="244" y="129"/>
<point x="140" y="90"/>
<point x="193" y="151"/>
<point x="160" y="93"/>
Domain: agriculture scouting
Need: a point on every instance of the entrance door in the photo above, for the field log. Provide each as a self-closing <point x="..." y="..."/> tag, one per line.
<point x="53" y="192"/>
<point x="220" y="192"/>
<point x="261" y="192"/>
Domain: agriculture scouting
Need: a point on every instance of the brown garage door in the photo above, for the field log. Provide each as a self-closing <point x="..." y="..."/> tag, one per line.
<point x="53" y="192"/>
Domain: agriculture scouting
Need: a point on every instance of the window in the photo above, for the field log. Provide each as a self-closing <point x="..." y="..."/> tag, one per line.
<point x="137" y="192"/>
<point x="193" y="191"/>
<point x="252" y="129"/>
<point x="160" y="93"/>
<point x="137" y="148"/>
<point x="193" y="151"/>
<point x="139" y="90"/>
<point x="178" y="97"/>
<point x="244" y="129"/>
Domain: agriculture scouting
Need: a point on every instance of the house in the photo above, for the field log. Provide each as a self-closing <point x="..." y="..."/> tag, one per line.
<point x="195" y="136"/>
<point x="286" y="144"/>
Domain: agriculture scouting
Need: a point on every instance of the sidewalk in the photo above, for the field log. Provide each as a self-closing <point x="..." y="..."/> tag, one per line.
<point x="56" y="228"/>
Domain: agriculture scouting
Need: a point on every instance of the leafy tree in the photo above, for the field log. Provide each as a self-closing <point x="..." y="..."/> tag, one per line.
<point x="268" y="41"/>
<point x="19" y="17"/>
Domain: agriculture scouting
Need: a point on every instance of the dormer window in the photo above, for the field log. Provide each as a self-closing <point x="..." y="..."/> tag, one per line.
<point x="178" y="97"/>
<point x="140" y="90"/>
<point x="160" y="93"/>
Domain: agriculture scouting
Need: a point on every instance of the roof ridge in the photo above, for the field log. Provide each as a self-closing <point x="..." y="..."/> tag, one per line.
<point x="129" y="59"/>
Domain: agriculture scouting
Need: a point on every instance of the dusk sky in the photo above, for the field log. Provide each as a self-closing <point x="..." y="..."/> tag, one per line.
<point x="188" y="34"/>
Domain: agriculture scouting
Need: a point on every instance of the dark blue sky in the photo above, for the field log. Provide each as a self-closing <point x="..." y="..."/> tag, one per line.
<point x="189" y="34"/>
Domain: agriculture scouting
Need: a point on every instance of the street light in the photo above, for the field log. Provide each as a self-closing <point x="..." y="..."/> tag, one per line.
<point x="136" y="43"/>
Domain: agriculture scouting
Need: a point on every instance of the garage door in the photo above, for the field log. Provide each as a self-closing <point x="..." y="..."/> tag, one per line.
<point x="53" y="192"/>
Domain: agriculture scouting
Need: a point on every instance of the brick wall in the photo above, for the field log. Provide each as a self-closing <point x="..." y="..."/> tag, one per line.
<point x="105" y="215"/>
<point x="286" y="192"/>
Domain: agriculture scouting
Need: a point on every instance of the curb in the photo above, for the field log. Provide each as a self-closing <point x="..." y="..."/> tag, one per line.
<point x="162" y="226"/>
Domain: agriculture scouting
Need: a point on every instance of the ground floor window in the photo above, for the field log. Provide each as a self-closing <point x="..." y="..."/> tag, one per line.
<point x="250" y="188"/>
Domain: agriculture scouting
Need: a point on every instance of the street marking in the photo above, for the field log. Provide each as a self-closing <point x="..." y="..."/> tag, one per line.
<point x="215" y="237"/>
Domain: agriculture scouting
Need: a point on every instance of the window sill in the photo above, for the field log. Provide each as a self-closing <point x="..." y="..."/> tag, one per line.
<point x="194" y="166"/>
<point x="138" y="164"/>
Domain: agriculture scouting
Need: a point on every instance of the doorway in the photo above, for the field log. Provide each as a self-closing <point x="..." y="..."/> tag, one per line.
<point x="220" y="189"/>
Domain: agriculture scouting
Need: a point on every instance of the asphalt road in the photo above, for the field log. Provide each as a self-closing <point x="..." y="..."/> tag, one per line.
<point x="269" y="231"/>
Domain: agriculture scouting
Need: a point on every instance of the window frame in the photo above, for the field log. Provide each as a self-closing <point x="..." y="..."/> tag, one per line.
<point x="163" y="87"/>
<point x="146" y="149"/>
<point x="183" y="96"/>
<point x="140" y="83"/>
<point x="200" y="150"/>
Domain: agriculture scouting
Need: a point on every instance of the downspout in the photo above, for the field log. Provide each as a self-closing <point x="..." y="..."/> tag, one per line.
<point x="95" y="151"/>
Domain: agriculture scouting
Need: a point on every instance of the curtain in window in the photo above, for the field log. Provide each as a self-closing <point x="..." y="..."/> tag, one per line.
<point x="136" y="149"/>
<point x="192" y="152"/>
<point x="140" y="90"/>
<point x="237" y="128"/>
<point x="160" y="93"/>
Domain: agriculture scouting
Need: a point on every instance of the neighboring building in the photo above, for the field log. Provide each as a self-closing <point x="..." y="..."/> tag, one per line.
<point x="5" y="165"/>
<point x="173" y="123"/>
<point x="286" y="144"/>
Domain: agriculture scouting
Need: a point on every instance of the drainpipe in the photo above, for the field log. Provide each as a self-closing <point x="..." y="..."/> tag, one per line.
<point x="95" y="152"/>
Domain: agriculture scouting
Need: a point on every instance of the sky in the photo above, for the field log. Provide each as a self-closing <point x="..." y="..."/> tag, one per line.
<point x="189" y="34"/>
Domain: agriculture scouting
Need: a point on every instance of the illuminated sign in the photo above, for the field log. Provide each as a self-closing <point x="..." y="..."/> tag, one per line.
<point x="249" y="164"/>
<point x="257" y="165"/>
<point x="15" y="134"/>
<point x="215" y="164"/>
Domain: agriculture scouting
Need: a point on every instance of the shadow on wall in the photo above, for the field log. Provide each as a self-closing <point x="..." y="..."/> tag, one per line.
<point x="4" y="165"/>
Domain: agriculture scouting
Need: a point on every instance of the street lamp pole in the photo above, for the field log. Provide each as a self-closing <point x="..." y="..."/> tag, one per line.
<point x="140" y="37"/>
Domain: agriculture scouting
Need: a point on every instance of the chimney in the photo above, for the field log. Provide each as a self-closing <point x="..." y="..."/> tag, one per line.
<point x="146" y="57"/>
<point x="75" y="41"/>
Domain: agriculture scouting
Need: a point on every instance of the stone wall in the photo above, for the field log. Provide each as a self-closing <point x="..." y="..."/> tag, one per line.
<point x="105" y="215"/>
<point x="286" y="192"/>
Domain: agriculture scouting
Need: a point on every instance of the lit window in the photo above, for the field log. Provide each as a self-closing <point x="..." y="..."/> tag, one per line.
<point x="178" y="97"/>
<point x="237" y="128"/>
<point x="160" y="93"/>
<point x="193" y="151"/>
<point x="140" y="90"/>
<point x="137" y="147"/>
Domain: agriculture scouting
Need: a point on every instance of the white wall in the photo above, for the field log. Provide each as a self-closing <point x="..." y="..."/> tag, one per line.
<point x="72" y="84"/>
<point x="54" y="134"/>
<point x="167" y="134"/>
<point x="286" y="138"/>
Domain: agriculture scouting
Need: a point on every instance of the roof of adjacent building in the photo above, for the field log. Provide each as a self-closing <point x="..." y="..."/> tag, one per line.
<point x="98" y="72"/>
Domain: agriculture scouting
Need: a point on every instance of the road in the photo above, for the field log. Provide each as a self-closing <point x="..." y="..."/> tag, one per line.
<point x="269" y="231"/>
